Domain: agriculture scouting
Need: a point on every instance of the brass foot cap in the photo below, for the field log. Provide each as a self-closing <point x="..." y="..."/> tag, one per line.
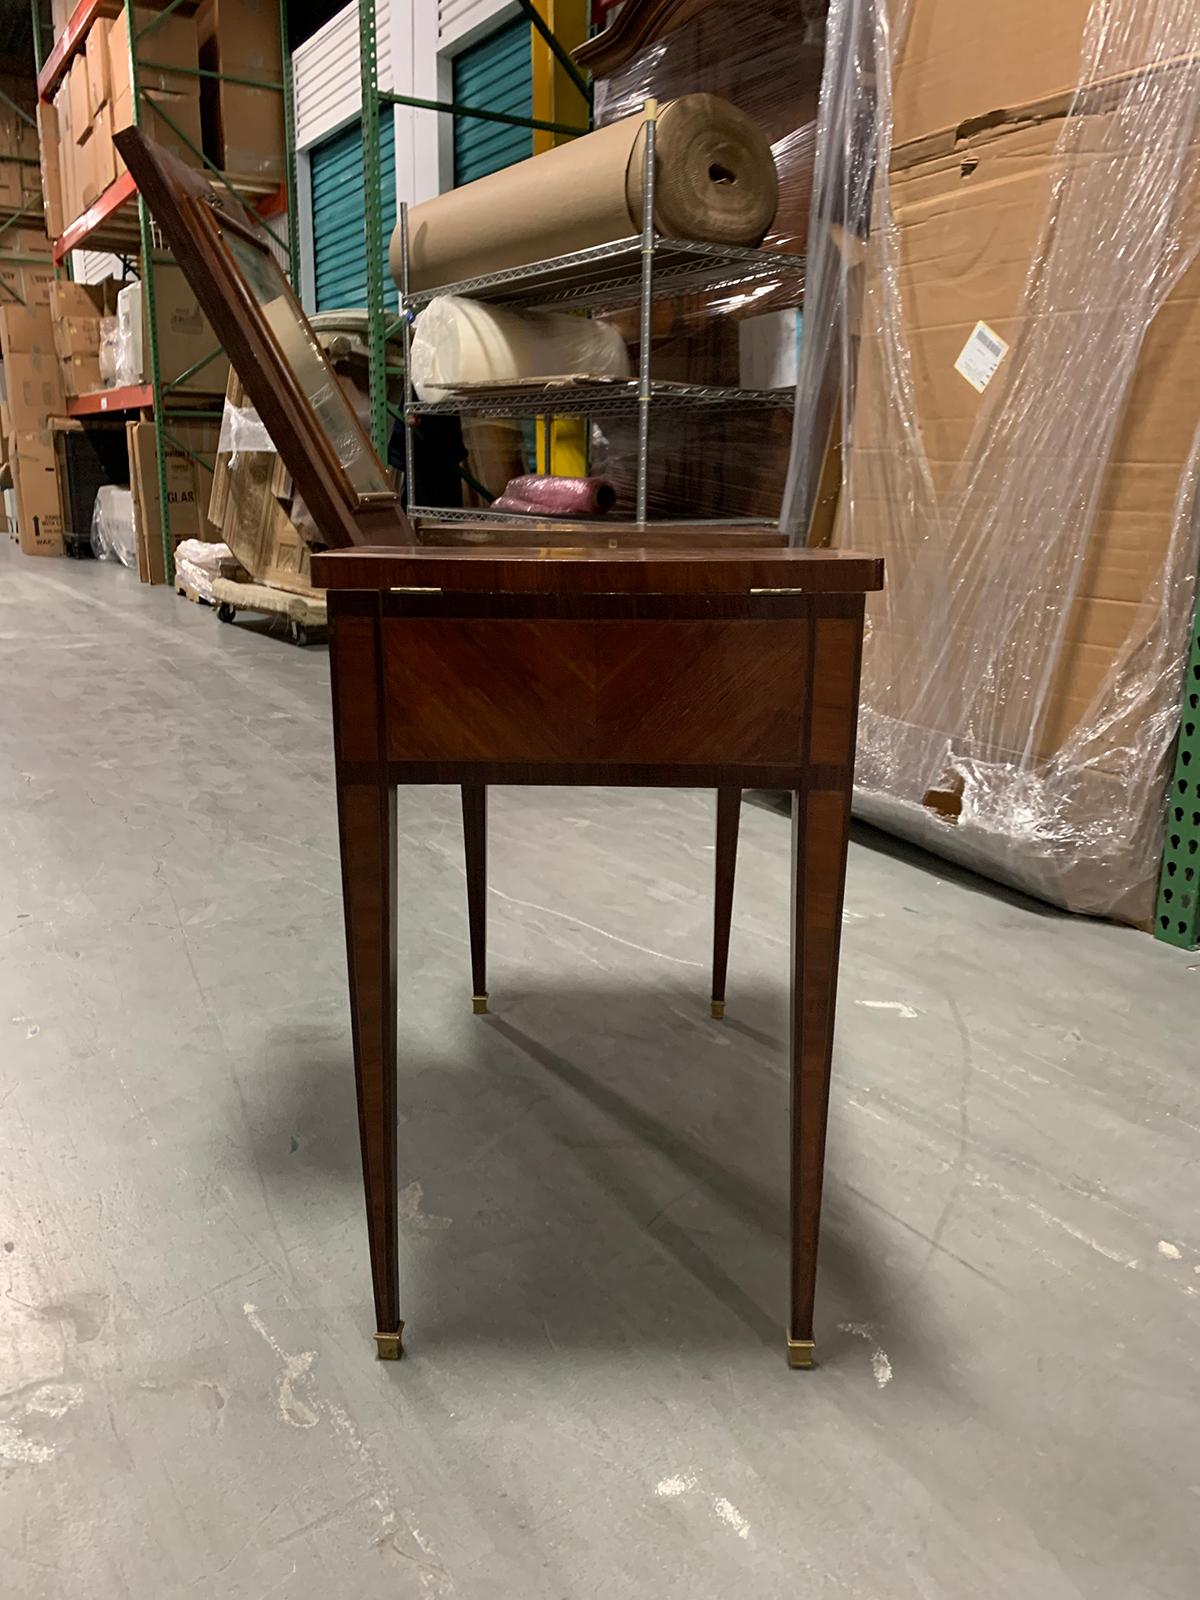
<point x="718" y="1009"/>
<point x="390" y="1346"/>
<point x="800" y="1352"/>
<point x="479" y="1004"/>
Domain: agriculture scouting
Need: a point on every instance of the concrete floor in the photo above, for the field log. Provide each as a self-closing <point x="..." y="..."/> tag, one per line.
<point x="596" y="1401"/>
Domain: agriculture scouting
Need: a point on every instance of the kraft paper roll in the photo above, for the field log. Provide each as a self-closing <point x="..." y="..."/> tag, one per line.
<point x="714" y="181"/>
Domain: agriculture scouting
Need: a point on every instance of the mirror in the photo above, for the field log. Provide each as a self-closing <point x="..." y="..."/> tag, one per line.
<point x="303" y="354"/>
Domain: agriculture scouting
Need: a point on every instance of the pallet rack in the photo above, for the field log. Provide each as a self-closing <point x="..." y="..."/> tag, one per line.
<point x="119" y="220"/>
<point x="1177" y="914"/>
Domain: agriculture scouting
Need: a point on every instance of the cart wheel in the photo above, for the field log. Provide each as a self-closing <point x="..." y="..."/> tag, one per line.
<point x="226" y="612"/>
<point x="298" y="632"/>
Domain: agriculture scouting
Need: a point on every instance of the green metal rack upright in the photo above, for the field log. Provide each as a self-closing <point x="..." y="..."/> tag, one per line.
<point x="91" y="228"/>
<point x="1177" y="915"/>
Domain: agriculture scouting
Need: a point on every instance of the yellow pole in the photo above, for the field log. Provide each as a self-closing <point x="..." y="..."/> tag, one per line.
<point x="556" y="99"/>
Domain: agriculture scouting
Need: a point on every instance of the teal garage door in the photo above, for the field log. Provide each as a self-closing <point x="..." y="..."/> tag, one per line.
<point x="339" y="223"/>
<point x="496" y="75"/>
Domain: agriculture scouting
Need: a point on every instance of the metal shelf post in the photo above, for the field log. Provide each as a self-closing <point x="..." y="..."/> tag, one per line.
<point x="1177" y="915"/>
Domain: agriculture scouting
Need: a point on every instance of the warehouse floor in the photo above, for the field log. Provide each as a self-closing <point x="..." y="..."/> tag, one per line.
<point x="596" y="1400"/>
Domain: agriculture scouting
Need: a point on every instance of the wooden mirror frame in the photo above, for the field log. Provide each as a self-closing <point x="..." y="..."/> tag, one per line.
<point x="192" y="218"/>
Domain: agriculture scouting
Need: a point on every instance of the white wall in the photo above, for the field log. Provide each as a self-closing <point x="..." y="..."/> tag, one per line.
<point x="416" y="42"/>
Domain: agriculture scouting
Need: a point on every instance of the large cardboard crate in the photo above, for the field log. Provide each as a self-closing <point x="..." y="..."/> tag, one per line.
<point x="1017" y="689"/>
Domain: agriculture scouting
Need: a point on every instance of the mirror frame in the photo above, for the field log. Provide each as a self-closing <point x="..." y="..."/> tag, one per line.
<point x="192" y="218"/>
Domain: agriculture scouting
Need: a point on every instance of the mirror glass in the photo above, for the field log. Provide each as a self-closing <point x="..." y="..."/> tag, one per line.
<point x="313" y="373"/>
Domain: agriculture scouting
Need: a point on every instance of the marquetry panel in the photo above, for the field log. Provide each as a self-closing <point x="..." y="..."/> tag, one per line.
<point x="695" y="691"/>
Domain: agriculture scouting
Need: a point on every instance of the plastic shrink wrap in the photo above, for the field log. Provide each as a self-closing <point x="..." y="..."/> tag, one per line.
<point x="113" y="534"/>
<point x="765" y="56"/>
<point x="253" y="505"/>
<point x="1003" y="351"/>
<point x="457" y="341"/>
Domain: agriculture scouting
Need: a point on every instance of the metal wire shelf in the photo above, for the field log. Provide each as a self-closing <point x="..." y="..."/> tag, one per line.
<point x="607" y="275"/>
<point x="601" y="397"/>
<point x="523" y="519"/>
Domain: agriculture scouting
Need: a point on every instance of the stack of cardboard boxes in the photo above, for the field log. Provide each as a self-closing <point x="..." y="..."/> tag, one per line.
<point x="62" y="341"/>
<point x="19" y="187"/>
<point x="238" y="127"/>
<point x="95" y="100"/>
<point x="33" y="395"/>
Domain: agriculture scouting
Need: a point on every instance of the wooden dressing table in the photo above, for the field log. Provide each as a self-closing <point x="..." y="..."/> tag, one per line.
<point x="563" y="663"/>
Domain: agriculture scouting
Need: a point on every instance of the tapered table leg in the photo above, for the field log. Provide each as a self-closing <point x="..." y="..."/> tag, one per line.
<point x="367" y="831"/>
<point x="820" y="831"/>
<point x="367" y="823"/>
<point x="474" y="806"/>
<point x="729" y="808"/>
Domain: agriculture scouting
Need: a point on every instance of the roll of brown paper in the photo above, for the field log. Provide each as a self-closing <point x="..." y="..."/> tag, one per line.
<point x="714" y="181"/>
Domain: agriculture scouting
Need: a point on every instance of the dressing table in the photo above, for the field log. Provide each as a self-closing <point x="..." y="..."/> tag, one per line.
<point x="617" y="655"/>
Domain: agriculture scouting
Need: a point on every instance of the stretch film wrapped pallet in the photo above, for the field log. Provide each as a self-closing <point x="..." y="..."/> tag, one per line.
<point x="1004" y="292"/>
<point x="765" y="57"/>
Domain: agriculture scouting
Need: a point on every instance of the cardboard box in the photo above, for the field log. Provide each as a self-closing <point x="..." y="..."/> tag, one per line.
<point x="35" y="480"/>
<point x="76" y="310"/>
<point x="25" y="243"/>
<point x="90" y="170"/>
<point x="170" y="44"/>
<point x="246" y="511"/>
<point x="99" y="73"/>
<point x="77" y="92"/>
<point x="50" y="168"/>
<point x="960" y="64"/>
<point x="25" y="283"/>
<point x="184" y="334"/>
<point x="104" y="155"/>
<point x="183" y="111"/>
<point x="187" y="495"/>
<point x="68" y="177"/>
<point x="1009" y="673"/>
<point x="243" y="126"/>
<point x="32" y="381"/>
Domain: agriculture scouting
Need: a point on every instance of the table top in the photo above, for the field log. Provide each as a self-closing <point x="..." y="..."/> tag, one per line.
<point x="553" y="570"/>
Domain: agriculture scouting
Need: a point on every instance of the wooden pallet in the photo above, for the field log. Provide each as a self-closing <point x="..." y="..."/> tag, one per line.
<point x="304" y="612"/>
<point x="194" y="595"/>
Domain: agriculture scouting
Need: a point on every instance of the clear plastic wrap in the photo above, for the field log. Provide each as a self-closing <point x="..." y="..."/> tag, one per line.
<point x="765" y="56"/>
<point x="110" y="362"/>
<point x="544" y="496"/>
<point x="114" y="536"/>
<point x="197" y="563"/>
<point x="999" y="343"/>
<point x="129" y="360"/>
